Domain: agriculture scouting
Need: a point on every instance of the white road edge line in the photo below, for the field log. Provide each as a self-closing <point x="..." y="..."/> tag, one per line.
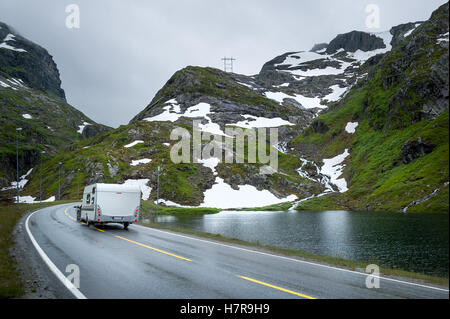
<point x="66" y="282"/>
<point x="296" y="260"/>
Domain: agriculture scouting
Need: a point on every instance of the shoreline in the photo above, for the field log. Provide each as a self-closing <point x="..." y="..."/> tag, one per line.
<point x="326" y="260"/>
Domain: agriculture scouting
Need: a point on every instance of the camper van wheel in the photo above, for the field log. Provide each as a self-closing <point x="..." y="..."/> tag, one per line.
<point x="125" y="225"/>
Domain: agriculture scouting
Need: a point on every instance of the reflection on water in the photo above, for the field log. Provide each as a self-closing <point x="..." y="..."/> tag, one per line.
<point x="417" y="242"/>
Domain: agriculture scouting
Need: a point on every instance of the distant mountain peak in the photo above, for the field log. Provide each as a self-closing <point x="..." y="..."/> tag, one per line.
<point x="29" y="62"/>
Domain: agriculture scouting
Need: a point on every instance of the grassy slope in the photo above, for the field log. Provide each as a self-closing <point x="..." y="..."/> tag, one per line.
<point x="388" y="108"/>
<point x="46" y="111"/>
<point x="373" y="172"/>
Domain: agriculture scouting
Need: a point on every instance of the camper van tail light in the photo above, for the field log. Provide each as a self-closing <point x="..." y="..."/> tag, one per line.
<point x="99" y="212"/>
<point x="98" y="219"/>
<point x="135" y="220"/>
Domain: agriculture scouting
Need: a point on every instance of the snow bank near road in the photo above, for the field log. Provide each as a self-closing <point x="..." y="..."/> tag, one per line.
<point x="333" y="168"/>
<point x="221" y="195"/>
<point x="142" y="183"/>
<point x="32" y="200"/>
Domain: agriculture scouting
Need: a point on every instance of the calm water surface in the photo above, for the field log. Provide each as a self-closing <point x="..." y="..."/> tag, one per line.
<point x="415" y="242"/>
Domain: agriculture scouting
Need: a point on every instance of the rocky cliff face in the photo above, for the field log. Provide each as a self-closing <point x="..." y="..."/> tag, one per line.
<point x="25" y="60"/>
<point x="31" y="98"/>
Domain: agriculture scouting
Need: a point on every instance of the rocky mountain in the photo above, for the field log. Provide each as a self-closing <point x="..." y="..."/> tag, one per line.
<point x="362" y="124"/>
<point x="31" y="97"/>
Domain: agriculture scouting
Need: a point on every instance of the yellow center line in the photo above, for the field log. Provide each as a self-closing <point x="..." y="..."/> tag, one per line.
<point x="74" y="219"/>
<point x="155" y="249"/>
<point x="65" y="212"/>
<point x="276" y="287"/>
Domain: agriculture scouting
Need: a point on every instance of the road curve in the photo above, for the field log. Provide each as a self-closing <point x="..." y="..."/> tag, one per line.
<point x="149" y="263"/>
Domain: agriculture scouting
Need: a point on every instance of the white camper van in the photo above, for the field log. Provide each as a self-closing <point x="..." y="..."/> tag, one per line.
<point x="110" y="203"/>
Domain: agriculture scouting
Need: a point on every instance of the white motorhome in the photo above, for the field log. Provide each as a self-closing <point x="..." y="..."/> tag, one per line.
<point x="110" y="203"/>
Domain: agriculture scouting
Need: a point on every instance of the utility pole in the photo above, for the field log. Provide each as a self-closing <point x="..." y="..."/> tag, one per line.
<point x="228" y="64"/>
<point x="160" y="168"/>
<point x="59" y="181"/>
<point x="78" y="186"/>
<point x="40" y="177"/>
<point x="17" y="161"/>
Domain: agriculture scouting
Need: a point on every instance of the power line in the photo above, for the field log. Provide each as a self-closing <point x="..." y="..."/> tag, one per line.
<point x="228" y="64"/>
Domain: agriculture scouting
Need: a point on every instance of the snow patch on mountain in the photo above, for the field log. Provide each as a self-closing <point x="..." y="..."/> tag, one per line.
<point x="133" y="144"/>
<point x="81" y="127"/>
<point x="261" y="122"/>
<point x="407" y="34"/>
<point x="141" y="161"/>
<point x="351" y="127"/>
<point x="305" y="102"/>
<point x="10" y="37"/>
<point x="443" y="38"/>
<point x="22" y="182"/>
<point x="333" y="168"/>
<point x="298" y="63"/>
<point x="223" y="196"/>
<point x="210" y="163"/>
<point x="142" y="183"/>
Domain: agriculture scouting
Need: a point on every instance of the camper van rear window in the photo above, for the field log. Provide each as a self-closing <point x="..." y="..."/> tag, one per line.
<point x="93" y="190"/>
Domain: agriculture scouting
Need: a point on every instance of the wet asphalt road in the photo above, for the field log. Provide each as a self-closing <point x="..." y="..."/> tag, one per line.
<point x="148" y="263"/>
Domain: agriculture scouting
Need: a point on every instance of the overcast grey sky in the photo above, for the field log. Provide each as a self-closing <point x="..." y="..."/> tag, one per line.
<point x="125" y="51"/>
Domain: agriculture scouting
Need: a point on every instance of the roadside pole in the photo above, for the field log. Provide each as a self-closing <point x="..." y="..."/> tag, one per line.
<point x="78" y="185"/>
<point x="160" y="168"/>
<point x="40" y="177"/>
<point x="59" y="181"/>
<point x="17" y="162"/>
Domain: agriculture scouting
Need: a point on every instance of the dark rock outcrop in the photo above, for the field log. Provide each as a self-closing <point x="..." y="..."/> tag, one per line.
<point x="319" y="126"/>
<point x="319" y="47"/>
<point x="93" y="130"/>
<point x="355" y="40"/>
<point x="414" y="150"/>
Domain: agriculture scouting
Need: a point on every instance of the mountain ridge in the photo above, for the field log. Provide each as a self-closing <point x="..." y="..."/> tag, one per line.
<point x="356" y="138"/>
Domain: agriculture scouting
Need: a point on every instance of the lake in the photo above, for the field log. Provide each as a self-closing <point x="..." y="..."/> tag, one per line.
<point x="414" y="242"/>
